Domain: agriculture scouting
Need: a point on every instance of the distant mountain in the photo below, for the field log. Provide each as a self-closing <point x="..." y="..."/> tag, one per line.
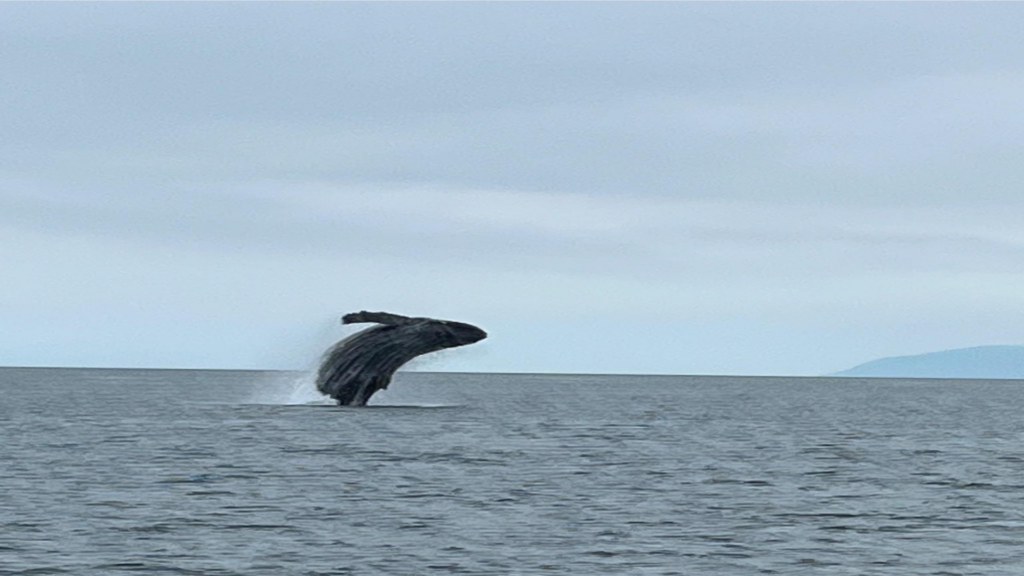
<point x="977" y="362"/>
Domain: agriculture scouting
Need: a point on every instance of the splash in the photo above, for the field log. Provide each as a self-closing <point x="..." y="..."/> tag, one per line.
<point x="291" y="389"/>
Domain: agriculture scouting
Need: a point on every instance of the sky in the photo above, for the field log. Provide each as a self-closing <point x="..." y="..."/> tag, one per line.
<point x="674" y="188"/>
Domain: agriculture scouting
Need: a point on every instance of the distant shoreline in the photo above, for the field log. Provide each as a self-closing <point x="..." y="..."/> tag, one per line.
<point x="994" y="362"/>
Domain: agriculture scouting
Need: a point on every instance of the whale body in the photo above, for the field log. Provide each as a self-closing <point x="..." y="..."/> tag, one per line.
<point x="357" y="367"/>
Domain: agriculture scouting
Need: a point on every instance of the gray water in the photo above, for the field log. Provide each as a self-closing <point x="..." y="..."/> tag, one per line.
<point x="215" y="473"/>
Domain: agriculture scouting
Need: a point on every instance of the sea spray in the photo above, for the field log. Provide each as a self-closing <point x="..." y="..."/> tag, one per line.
<point x="299" y="387"/>
<point x="286" y="388"/>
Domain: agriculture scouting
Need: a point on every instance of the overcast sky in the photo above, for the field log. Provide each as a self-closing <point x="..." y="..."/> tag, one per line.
<point x="769" y="188"/>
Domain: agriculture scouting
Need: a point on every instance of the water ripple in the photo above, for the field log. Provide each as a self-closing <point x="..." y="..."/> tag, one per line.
<point x="110" y="472"/>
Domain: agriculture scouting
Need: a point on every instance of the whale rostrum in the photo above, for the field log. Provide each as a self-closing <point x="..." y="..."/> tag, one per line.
<point x="355" y="368"/>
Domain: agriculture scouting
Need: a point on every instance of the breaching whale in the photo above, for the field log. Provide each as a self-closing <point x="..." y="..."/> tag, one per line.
<point x="355" y="368"/>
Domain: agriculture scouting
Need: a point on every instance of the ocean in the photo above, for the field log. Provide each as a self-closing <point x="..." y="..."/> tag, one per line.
<point x="248" y="473"/>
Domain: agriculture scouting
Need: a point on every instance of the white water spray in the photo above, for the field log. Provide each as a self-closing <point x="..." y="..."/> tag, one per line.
<point x="287" y="388"/>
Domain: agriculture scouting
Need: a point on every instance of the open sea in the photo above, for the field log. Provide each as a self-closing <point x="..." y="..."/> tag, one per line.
<point x="248" y="473"/>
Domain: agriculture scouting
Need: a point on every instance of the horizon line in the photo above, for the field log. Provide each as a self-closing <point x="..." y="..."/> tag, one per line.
<point x="180" y="369"/>
<point x="642" y="375"/>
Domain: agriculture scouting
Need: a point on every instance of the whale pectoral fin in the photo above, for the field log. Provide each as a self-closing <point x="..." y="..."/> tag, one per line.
<point x="377" y="317"/>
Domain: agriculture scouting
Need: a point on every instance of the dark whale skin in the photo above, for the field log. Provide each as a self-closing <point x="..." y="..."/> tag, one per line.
<point x="357" y="367"/>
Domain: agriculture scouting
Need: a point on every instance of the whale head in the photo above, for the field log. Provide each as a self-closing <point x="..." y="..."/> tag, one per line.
<point x="449" y="334"/>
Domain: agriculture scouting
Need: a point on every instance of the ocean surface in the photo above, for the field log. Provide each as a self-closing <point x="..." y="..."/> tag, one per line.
<point x="248" y="473"/>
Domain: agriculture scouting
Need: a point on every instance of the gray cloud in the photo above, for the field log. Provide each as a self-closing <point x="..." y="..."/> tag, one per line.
<point x="766" y="101"/>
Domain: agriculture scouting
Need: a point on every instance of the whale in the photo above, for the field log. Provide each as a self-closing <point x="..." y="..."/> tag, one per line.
<point x="358" y="366"/>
